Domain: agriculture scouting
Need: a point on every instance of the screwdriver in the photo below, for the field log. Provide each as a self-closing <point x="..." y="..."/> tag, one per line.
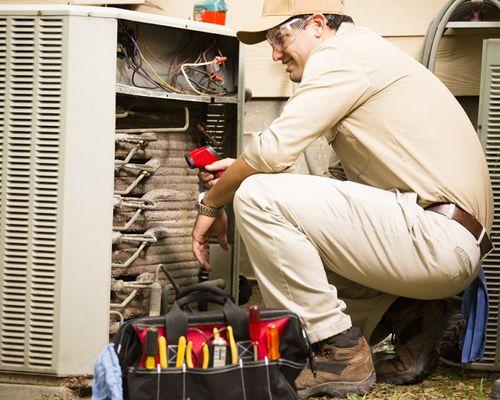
<point x="181" y="350"/>
<point x="254" y="329"/>
<point x="189" y="354"/>
<point x="232" y="345"/>
<point x="151" y="348"/>
<point x="273" y="342"/>
<point x="204" y="348"/>
<point x="162" y="348"/>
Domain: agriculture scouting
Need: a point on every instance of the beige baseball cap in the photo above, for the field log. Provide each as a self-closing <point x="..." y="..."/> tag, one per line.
<point x="275" y="12"/>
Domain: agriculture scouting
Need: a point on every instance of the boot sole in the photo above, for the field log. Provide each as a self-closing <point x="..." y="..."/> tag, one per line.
<point x="412" y="377"/>
<point x="339" y="389"/>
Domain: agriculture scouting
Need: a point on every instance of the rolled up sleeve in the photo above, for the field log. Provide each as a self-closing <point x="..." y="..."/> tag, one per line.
<point x="333" y="85"/>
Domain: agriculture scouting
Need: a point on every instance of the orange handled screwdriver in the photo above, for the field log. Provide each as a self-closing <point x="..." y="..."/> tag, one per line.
<point x="273" y="342"/>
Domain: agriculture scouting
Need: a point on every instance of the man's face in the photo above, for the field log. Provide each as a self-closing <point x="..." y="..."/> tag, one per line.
<point x="291" y="43"/>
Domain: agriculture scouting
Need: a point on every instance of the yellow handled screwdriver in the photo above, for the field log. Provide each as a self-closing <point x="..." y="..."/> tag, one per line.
<point x="162" y="348"/>
<point x="216" y="333"/>
<point x="189" y="354"/>
<point x="206" y="356"/>
<point x="181" y="351"/>
<point x="232" y="345"/>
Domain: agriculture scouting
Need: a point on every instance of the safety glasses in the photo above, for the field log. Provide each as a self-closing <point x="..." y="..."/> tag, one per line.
<point x="284" y="35"/>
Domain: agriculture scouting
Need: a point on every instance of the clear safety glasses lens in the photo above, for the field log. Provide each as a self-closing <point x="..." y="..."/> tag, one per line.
<point x="284" y="35"/>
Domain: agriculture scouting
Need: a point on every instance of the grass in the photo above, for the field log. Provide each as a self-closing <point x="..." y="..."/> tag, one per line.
<point x="445" y="384"/>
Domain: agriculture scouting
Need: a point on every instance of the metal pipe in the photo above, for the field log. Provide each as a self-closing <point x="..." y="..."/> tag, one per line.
<point x="160" y="130"/>
<point x="442" y="27"/>
<point x="124" y="302"/>
<point x="155" y="295"/>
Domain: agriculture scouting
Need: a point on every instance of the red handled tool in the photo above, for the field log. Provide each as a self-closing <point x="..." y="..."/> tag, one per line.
<point x="254" y="329"/>
<point x="201" y="157"/>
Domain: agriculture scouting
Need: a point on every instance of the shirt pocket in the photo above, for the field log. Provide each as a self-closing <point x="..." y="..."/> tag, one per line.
<point x="354" y="156"/>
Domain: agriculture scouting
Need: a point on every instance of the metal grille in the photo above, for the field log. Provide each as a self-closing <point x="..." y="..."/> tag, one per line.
<point x="490" y="265"/>
<point x="31" y="94"/>
<point x="216" y="126"/>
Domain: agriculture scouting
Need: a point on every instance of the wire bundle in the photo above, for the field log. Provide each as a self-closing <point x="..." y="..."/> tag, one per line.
<point x="201" y="75"/>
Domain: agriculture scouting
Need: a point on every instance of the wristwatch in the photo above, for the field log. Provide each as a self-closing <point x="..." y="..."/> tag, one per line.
<point x="208" y="211"/>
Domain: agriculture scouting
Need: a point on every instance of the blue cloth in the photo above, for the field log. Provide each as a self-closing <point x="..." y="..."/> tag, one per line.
<point x="107" y="384"/>
<point x="475" y="310"/>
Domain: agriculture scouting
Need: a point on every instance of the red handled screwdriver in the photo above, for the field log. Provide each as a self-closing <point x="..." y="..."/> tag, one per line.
<point x="254" y="329"/>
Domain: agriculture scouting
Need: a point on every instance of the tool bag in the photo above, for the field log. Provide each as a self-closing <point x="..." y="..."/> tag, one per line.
<point x="241" y="379"/>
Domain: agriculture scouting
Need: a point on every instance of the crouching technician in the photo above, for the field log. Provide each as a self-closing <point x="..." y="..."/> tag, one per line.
<point x="408" y="226"/>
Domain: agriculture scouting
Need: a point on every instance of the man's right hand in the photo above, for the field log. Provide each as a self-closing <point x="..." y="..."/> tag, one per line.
<point x="210" y="180"/>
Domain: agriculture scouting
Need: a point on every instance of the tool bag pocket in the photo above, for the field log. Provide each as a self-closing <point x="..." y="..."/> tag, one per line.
<point x="249" y="372"/>
<point x="247" y="381"/>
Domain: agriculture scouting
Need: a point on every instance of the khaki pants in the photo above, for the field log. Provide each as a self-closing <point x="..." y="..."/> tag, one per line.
<point x="338" y="252"/>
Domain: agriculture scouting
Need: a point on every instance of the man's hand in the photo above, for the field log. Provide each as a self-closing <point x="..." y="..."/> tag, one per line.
<point x="218" y="196"/>
<point x="203" y="229"/>
<point x="210" y="180"/>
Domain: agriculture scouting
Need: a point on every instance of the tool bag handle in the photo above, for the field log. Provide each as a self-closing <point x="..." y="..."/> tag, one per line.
<point x="176" y="321"/>
<point x="205" y="289"/>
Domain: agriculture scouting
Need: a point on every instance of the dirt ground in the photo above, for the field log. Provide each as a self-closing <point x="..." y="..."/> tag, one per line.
<point x="446" y="383"/>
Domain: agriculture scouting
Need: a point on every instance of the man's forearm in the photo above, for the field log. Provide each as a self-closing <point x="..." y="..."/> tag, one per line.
<point x="223" y="192"/>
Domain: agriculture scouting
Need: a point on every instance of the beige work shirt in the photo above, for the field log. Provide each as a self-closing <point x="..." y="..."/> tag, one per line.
<point x="392" y="123"/>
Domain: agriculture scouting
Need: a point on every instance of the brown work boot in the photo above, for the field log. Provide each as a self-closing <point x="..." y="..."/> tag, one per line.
<point x="343" y="366"/>
<point x="418" y="327"/>
<point x="495" y="390"/>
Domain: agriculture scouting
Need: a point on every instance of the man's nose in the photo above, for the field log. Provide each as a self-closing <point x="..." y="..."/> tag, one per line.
<point x="277" y="54"/>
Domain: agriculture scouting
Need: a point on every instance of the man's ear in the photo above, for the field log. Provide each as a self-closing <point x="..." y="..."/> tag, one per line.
<point x="319" y="24"/>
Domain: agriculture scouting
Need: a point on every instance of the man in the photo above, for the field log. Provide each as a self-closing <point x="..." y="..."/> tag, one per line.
<point x="411" y="221"/>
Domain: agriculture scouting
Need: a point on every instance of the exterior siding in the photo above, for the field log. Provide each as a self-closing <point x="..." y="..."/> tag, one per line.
<point x="459" y="59"/>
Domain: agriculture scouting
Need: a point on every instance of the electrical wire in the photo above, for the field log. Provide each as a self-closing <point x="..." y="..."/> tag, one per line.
<point x="208" y="81"/>
<point x="193" y="65"/>
<point x="160" y="80"/>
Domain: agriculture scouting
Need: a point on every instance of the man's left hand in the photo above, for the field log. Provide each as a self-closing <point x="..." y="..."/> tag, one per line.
<point x="204" y="228"/>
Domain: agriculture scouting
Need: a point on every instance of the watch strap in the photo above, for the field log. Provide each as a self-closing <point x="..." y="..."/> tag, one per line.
<point x="209" y="211"/>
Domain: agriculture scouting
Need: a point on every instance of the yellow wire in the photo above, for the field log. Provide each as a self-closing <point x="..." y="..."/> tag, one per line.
<point x="160" y="80"/>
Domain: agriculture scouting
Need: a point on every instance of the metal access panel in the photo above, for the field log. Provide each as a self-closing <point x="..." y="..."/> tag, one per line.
<point x="56" y="182"/>
<point x="489" y="133"/>
<point x="66" y="96"/>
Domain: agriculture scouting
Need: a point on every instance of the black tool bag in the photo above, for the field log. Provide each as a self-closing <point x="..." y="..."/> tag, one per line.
<point x="246" y="378"/>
